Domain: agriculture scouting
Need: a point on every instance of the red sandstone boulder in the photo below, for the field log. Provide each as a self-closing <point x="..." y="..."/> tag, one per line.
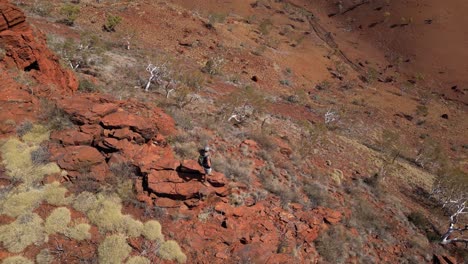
<point x="83" y="159"/>
<point x="167" y="203"/>
<point x="123" y="119"/>
<point x="217" y="179"/>
<point x="176" y="191"/>
<point x="71" y="137"/>
<point x="191" y="166"/>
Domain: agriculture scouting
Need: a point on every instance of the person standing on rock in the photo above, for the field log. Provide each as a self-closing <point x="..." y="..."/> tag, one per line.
<point x="205" y="161"/>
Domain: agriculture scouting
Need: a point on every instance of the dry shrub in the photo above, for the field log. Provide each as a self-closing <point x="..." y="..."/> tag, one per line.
<point x="58" y="221"/>
<point x="84" y="202"/>
<point x="44" y="257"/>
<point x="24" y="128"/>
<point x="152" y="230"/>
<point x="317" y="194"/>
<point x="138" y="260"/>
<point x="40" y="155"/>
<point x="114" y="249"/>
<point x="239" y="170"/>
<point x="170" y="250"/>
<point x="17" y="260"/>
<point x="122" y="183"/>
<point x="79" y="232"/>
<point x="331" y="245"/>
<point x="26" y="230"/>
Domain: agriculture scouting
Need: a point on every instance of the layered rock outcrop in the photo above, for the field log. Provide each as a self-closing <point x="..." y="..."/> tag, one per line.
<point x="26" y="50"/>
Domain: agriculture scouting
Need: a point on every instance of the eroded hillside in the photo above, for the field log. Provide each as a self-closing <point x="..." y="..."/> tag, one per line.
<point x="328" y="134"/>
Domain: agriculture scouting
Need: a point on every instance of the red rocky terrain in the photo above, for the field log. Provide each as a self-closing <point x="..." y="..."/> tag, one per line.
<point x="108" y="131"/>
<point x="229" y="220"/>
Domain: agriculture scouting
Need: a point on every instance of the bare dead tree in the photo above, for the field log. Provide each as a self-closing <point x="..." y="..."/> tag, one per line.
<point x="242" y="113"/>
<point x="454" y="199"/>
<point x="455" y="232"/>
<point x="157" y="74"/>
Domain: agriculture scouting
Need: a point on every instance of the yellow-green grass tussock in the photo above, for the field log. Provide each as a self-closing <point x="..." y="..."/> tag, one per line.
<point x="20" y="201"/>
<point x="26" y="230"/>
<point x="85" y="201"/>
<point x="170" y="250"/>
<point x="114" y="249"/>
<point x="17" y="160"/>
<point x="37" y="135"/>
<point x="152" y="230"/>
<point x="138" y="260"/>
<point x="79" y="232"/>
<point x="17" y="260"/>
<point x="55" y="194"/>
<point x="58" y="221"/>
<point x="44" y="257"/>
<point x="105" y="212"/>
<point x="24" y="199"/>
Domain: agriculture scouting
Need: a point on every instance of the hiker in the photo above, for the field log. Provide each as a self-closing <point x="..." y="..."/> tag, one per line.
<point x="205" y="161"/>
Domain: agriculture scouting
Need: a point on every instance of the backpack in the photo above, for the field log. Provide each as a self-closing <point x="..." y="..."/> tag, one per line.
<point x="201" y="160"/>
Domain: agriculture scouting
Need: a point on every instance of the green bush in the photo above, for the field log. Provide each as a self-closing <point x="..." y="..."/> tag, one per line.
<point x="152" y="230"/>
<point x="58" y="221"/>
<point x="26" y="230"/>
<point x="170" y="250"/>
<point x="112" y="21"/>
<point x="70" y="12"/>
<point x="17" y="260"/>
<point x="114" y="249"/>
